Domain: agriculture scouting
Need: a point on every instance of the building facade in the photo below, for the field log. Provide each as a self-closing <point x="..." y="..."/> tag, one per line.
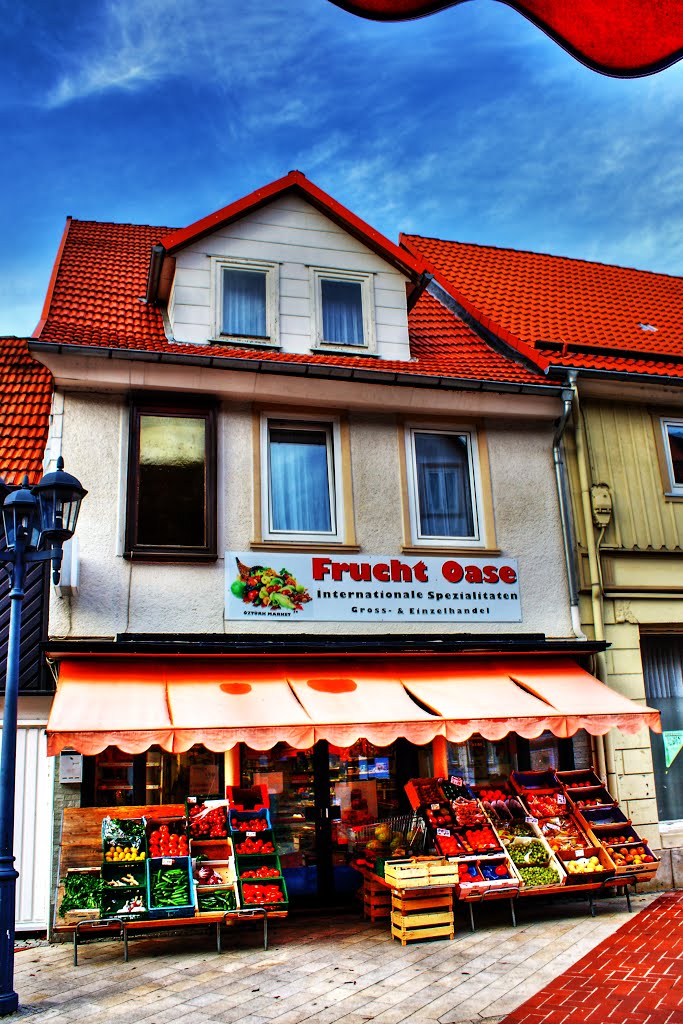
<point x="325" y="546"/>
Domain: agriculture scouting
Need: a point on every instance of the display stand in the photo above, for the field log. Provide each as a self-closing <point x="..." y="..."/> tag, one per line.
<point x="81" y="850"/>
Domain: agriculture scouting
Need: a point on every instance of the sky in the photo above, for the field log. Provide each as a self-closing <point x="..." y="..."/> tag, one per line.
<point x="469" y="124"/>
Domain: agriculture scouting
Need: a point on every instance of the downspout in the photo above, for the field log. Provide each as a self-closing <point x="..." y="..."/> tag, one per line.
<point x="565" y="508"/>
<point x="604" y="744"/>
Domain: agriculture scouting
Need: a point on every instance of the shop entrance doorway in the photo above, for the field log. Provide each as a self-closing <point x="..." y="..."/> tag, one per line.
<point x="320" y="798"/>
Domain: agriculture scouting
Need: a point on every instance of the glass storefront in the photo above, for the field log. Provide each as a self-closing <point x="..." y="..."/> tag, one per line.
<point x="117" y="779"/>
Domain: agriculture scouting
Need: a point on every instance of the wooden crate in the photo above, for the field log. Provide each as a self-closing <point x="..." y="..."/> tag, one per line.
<point x="415" y="927"/>
<point x="377" y="907"/>
<point x="422" y="900"/>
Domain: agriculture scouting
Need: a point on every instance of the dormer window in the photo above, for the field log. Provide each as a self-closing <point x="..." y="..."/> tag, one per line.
<point x="344" y="310"/>
<point x="246" y="302"/>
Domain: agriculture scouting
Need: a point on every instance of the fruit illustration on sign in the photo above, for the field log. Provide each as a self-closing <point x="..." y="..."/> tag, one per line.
<point x="270" y="589"/>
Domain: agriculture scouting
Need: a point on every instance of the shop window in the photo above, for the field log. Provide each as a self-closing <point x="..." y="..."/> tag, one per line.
<point x="479" y="760"/>
<point x="444" y="486"/>
<point x="171" y="484"/>
<point x="302" y="486"/>
<point x="663" y="671"/>
<point x="344" y="310"/>
<point x="116" y="779"/>
<point x="673" y="451"/>
<point x="246" y="301"/>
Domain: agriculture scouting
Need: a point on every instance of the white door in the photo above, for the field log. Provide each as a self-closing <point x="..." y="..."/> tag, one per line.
<point x="33" y="827"/>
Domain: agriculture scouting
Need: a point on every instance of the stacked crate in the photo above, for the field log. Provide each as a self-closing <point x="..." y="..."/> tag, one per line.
<point x="418" y="914"/>
<point x="376" y="900"/>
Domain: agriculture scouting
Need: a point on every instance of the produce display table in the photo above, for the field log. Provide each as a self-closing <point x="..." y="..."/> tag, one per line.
<point x="81" y="849"/>
<point x="114" y="927"/>
<point x="592" y="891"/>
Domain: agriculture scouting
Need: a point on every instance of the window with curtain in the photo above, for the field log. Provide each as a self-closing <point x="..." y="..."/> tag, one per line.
<point x="301" y="478"/>
<point x="244" y="303"/>
<point x="342" y="311"/>
<point x="443" y="491"/>
<point x="673" y="435"/>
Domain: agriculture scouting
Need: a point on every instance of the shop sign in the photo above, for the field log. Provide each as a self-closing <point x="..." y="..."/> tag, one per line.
<point x="378" y="588"/>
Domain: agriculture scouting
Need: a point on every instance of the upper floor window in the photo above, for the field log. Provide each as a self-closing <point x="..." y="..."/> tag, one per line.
<point x="171" y="484"/>
<point x="246" y="301"/>
<point x="344" y="309"/>
<point x="673" y="450"/>
<point x="443" y="486"/>
<point x="302" y="497"/>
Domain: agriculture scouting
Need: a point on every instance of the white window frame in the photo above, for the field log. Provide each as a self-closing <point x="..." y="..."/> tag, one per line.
<point x="334" y="476"/>
<point x="675" y="488"/>
<point x="271" y="271"/>
<point x="431" y="540"/>
<point x="366" y="281"/>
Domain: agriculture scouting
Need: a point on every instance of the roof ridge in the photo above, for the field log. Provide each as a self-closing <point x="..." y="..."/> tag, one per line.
<point x="533" y="252"/>
<point x="122" y="224"/>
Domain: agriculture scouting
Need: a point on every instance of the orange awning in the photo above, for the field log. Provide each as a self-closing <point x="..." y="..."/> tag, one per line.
<point x="136" y="702"/>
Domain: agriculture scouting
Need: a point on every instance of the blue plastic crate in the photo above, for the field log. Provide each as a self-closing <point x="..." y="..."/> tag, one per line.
<point x="185" y="910"/>
<point x="236" y="816"/>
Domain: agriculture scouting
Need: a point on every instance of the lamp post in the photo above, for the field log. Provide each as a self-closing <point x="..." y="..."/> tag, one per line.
<point x="37" y="521"/>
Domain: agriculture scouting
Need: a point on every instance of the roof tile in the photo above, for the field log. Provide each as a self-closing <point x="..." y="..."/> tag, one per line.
<point x="574" y="312"/>
<point x="25" y="398"/>
<point x="97" y="300"/>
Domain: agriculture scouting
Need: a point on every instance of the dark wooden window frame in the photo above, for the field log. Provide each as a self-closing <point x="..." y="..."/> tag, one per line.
<point x="175" y="406"/>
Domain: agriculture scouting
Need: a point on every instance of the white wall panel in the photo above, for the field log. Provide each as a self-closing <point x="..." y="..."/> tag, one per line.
<point x="32" y="827"/>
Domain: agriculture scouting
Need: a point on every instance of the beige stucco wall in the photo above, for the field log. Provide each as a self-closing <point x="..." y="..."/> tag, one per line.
<point x="118" y="596"/>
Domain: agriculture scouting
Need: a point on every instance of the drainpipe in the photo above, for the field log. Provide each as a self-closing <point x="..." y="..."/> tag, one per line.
<point x="565" y="508"/>
<point x="604" y="744"/>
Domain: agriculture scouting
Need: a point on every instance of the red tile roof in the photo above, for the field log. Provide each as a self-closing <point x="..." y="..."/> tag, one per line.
<point x="25" y="397"/>
<point x="575" y="313"/>
<point x="96" y="298"/>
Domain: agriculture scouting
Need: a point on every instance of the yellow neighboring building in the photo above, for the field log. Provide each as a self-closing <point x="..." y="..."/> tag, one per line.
<point x="614" y="336"/>
<point x="626" y="471"/>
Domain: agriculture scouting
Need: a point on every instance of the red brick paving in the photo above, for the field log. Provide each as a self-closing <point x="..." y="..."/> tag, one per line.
<point x="633" y="977"/>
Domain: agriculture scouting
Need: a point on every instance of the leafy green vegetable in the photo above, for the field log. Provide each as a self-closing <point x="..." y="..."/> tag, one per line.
<point x="82" y="891"/>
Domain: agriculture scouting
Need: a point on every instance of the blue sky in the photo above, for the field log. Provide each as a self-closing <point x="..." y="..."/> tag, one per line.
<point x="469" y="124"/>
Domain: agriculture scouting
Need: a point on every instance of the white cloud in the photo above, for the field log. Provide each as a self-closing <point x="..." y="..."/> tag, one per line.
<point x="136" y="43"/>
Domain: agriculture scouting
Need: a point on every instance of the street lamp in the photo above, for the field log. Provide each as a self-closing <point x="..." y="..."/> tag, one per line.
<point x="37" y="520"/>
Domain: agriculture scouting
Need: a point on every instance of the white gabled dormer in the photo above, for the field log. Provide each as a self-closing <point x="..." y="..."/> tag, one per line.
<point x="286" y="268"/>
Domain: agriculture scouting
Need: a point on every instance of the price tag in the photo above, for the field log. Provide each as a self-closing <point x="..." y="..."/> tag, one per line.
<point x="192" y="799"/>
<point x="435" y="807"/>
<point x="167" y="861"/>
<point x="530" y="820"/>
<point x="553" y="824"/>
<point x="561" y="799"/>
<point x="580" y="853"/>
<point x="443" y="832"/>
<point x="250" y="835"/>
<point x="456" y="780"/>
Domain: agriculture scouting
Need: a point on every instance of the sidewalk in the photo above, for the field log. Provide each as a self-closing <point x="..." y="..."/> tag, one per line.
<point x="633" y="977"/>
<point x="345" y="971"/>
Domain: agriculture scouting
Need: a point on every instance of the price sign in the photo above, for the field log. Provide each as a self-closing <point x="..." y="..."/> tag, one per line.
<point x="251" y="835"/>
<point x="580" y="853"/>
<point x="553" y="824"/>
<point x="443" y="832"/>
<point x="561" y="799"/>
<point x="192" y="799"/>
<point x="167" y="861"/>
<point x="435" y="807"/>
<point x="531" y="820"/>
<point x="456" y="780"/>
